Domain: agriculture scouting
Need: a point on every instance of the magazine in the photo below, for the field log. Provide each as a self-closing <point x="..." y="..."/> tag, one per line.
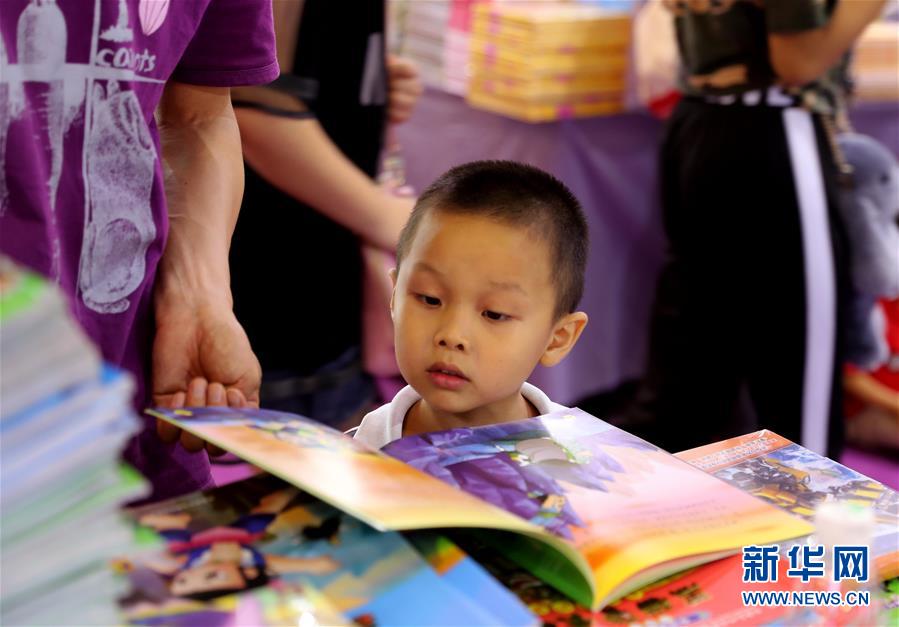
<point x="797" y="480"/>
<point x="262" y="543"/>
<point x="588" y="508"/>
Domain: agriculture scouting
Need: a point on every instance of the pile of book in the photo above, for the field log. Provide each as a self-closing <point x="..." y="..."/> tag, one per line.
<point x="423" y="30"/>
<point x="542" y="61"/>
<point x="435" y="35"/>
<point x="64" y="418"/>
<point x="585" y="523"/>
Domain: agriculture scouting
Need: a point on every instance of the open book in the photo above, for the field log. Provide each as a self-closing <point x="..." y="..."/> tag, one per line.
<point x="588" y="508"/>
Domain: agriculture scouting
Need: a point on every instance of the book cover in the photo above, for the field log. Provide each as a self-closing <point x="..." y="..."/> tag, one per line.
<point x="262" y="533"/>
<point x="797" y="480"/>
<point x="466" y="575"/>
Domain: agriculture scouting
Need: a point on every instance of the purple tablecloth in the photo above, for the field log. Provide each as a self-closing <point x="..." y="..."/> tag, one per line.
<point x="610" y="164"/>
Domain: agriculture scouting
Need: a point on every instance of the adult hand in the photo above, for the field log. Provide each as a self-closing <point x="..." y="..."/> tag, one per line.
<point x="201" y="357"/>
<point x="404" y="88"/>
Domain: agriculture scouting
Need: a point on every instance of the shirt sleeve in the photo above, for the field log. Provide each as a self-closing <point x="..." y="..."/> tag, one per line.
<point x="794" y="16"/>
<point x="233" y="45"/>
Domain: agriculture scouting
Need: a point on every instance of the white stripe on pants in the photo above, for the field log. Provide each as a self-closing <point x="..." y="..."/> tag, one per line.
<point x="820" y="279"/>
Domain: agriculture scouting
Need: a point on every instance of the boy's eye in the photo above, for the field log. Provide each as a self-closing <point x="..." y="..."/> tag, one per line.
<point x="495" y="316"/>
<point x="430" y="301"/>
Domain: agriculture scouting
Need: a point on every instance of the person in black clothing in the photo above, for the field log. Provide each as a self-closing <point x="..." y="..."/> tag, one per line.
<point x="744" y="326"/>
<point x="311" y="143"/>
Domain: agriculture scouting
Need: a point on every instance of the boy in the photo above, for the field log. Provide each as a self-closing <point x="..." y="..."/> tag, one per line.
<point x="490" y="269"/>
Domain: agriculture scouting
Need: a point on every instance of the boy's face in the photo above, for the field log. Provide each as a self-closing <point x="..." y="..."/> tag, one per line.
<point x="473" y="312"/>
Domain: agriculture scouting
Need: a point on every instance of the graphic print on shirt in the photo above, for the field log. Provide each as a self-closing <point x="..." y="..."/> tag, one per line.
<point x="41" y="53"/>
<point x="12" y="103"/>
<point x="118" y="153"/>
<point x="121" y="160"/>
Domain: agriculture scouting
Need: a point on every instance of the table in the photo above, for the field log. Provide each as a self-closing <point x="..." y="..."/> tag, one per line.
<point x="610" y="165"/>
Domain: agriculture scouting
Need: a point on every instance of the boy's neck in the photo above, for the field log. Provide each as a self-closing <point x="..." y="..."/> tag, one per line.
<point x="422" y="418"/>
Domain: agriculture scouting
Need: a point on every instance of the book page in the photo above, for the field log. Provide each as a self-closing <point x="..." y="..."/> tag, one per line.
<point x="377" y="489"/>
<point x="625" y="504"/>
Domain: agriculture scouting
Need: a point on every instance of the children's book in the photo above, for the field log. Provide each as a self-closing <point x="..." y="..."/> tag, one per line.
<point x="710" y="595"/>
<point x="588" y="508"/>
<point x="798" y="480"/>
<point x="459" y="570"/>
<point x="267" y="538"/>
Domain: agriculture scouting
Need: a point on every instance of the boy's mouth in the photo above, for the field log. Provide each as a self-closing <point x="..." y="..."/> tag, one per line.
<point x="446" y="376"/>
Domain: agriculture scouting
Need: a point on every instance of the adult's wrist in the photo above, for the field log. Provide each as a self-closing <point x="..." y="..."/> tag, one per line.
<point x="192" y="286"/>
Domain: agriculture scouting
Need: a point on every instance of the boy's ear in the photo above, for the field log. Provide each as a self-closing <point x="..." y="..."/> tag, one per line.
<point x="566" y="332"/>
<point x="392" y="274"/>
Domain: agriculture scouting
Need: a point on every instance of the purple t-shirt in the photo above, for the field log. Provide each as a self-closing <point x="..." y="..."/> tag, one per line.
<point x="81" y="187"/>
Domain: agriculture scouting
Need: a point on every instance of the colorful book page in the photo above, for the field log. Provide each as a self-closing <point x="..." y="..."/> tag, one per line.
<point x="261" y="532"/>
<point x="460" y="571"/>
<point x="379" y="490"/>
<point x="633" y="510"/>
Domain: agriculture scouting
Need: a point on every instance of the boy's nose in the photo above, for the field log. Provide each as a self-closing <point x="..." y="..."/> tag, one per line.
<point x="450" y="335"/>
<point x="455" y="344"/>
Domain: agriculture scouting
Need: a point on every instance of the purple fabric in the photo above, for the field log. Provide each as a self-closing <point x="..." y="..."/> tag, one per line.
<point x="610" y="165"/>
<point x="881" y="466"/>
<point x="81" y="188"/>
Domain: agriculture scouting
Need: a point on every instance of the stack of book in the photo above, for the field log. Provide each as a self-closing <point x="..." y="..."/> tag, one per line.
<point x="585" y="523"/>
<point x="423" y="28"/>
<point x="63" y="421"/>
<point x="435" y="35"/>
<point x="542" y="61"/>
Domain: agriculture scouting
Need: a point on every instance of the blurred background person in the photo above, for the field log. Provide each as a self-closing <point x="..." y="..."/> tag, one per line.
<point x="744" y="325"/>
<point x="312" y="142"/>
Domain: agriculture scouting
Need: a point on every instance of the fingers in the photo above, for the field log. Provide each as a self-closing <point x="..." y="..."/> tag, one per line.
<point x="166" y="431"/>
<point x="402" y="99"/>
<point x="196" y="392"/>
<point x="401" y="107"/>
<point x="200" y="393"/>
<point x="192" y="443"/>
<point x="214" y="451"/>
<point x="235" y="398"/>
<point x="178" y="400"/>
<point x="215" y="395"/>
<point x="404" y="87"/>
<point x="400" y="67"/>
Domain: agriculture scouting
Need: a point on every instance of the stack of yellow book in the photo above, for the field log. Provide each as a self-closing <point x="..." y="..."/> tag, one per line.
<point x="542" y="61"/>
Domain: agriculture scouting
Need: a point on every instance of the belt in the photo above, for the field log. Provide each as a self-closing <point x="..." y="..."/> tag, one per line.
<point x="770" y="97"/>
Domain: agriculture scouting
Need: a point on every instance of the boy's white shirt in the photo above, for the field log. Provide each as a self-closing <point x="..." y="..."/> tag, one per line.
<point x="385" y="424"/>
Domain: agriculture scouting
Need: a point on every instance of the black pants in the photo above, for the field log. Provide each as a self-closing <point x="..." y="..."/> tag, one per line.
<point x="730" y="348"/>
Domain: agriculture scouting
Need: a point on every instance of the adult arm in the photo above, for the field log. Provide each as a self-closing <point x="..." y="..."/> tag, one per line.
<point x="201" y="354"/>
<point x="803" y="56"/>
<point x="297" y="157"/>
<point x="869" y="390"/>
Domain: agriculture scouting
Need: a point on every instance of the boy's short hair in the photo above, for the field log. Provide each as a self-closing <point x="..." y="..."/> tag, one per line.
<point x="519" y="195"/>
